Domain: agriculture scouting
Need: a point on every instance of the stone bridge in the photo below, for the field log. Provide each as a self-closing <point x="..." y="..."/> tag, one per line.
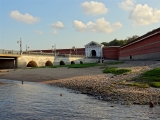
<point x="13" y="59"/>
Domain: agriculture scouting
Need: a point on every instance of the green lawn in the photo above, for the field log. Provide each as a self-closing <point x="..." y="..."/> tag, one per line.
<point x="85" y="65"/>
<point x="141" y="85"/>
<point x="116" y="71"/>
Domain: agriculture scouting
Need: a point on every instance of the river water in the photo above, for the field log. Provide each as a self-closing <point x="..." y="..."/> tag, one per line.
<point x="35" y="101"/>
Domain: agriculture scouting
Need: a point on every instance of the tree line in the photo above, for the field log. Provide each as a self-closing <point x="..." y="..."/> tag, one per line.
<point x="117" y="42"/>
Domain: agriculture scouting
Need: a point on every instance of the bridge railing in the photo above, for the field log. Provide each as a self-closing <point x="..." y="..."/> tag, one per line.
<point x="3" y="51"/>
<point x="37" y="53"/>
<point x="70" y="55"/>
<point x="16" y="52"/>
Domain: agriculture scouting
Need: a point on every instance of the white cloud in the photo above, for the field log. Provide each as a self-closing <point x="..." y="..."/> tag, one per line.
<point x="38" y="32"/>
<point x="54" y="32"/>
<point x="144" y="15"/>
<point x="103" y="26"/>
<point x="94" y="8"/>
<point x="26" y="18"/>
<point x="57" y="25"/>
<point x="79" y="26"/>
<point x="100" y="25"/>
<point x="127" y="5"/>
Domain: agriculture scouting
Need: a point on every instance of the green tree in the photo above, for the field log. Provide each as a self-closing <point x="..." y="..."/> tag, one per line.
<point x="105" y="43"/>
<point x="116" y="42"/>
<point x="129" y="39"/>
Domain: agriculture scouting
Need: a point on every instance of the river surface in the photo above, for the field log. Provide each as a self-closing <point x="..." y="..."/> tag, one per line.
<point x="35" y="101"/>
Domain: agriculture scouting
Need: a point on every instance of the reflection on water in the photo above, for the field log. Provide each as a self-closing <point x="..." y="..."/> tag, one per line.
<point x="34" y="101"/>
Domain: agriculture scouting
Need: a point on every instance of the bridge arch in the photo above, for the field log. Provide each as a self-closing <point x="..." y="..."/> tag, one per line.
<point x="48" y="63"/>
<point x="72" y="62"/>
<point x="61" y="63"/>
<point x="32" y="64"/>
<point x="81" y="62"/>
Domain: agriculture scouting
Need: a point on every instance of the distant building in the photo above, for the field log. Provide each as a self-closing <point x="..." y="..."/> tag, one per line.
<point x="94" y="49"/>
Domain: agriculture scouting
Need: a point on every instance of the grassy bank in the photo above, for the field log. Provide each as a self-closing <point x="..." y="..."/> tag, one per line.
<point x="151" y="78"/>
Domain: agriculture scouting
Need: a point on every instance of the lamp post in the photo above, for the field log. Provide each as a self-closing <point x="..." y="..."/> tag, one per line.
<point x="20" y="43"/>
<point x="76" y="51"/>
<point x="54" y="49"/>
<point x="27" y="48"/>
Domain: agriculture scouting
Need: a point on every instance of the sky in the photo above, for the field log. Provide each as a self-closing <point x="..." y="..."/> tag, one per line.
<point x="42" y="24"/>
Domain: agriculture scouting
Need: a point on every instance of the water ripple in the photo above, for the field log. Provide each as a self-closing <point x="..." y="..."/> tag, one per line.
<point x="34" y="101"/>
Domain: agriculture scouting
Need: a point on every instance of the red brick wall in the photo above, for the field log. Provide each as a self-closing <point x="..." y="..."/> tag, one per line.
<point x="111" y="53"/>
<point x="146" y="46"/>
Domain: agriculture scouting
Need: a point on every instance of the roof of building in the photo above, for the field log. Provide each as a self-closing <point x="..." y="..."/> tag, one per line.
<point x="94" y="43"/>
<point x="111" y="46"/>
<point x="143" y="37"/>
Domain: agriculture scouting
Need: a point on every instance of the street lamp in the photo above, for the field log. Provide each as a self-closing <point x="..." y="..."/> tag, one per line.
<point x="20" y="43"/>
<point x="54" y="49"/>
<point x="27" y="48"/>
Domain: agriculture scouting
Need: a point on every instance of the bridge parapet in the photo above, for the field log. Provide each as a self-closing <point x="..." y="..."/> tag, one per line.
<point x="3" y="51"/>
<point x="15" y="52"/>
<point x="37" y="53"/>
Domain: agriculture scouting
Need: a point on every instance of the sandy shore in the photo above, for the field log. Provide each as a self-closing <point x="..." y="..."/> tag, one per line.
<point x="48" y="74"/>
<point x="93" y="82"/>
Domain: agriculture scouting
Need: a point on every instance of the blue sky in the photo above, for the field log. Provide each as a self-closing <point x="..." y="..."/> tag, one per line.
<point x="68" y="23"/>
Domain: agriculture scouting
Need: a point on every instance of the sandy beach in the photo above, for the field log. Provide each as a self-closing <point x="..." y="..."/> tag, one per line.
<point x="93" y="81"/>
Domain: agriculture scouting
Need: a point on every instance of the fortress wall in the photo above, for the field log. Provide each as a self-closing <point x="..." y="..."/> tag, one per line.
<point x="147" y="49"/>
